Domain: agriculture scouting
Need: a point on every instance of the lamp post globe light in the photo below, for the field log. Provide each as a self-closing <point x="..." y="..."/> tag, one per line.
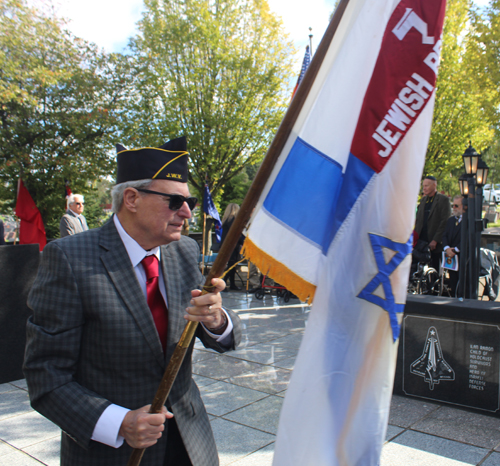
<point x="464" y="185"/>
<point x="482" y="173"/>
<point x="470" y="157"/>
<point x="471" y="187"/>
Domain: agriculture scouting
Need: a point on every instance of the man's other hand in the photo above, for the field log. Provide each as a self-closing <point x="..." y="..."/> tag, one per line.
<point x="141" y="429"/>
<point x="207" y="308"/>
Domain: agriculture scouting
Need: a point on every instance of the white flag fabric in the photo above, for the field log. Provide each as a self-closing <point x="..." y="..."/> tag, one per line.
<point x="335" y="220"/>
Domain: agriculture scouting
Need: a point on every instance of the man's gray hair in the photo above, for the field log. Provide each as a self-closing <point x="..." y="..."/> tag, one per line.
<point x="72" y="198"/>
<point x="118" y="189"/>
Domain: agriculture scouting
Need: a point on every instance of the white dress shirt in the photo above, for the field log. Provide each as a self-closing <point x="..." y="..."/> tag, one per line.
<point x="108" y="426"/>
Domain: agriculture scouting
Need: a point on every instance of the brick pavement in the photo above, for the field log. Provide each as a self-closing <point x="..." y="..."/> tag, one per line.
<point x="243" y="392"/>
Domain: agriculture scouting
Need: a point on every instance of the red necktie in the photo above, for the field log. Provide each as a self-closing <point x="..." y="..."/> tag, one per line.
<point x="155" y="300"/>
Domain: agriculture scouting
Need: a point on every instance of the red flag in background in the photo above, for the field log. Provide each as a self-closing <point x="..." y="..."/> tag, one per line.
<point x="67" y="189"/>
<point x="31" y="230"/>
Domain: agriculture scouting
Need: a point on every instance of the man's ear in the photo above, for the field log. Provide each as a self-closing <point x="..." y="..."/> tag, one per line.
<point x="131" y="197"/>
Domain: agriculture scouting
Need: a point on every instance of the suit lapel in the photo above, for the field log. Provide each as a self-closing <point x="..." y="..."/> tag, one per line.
<point x="172" y="276"/>
<point x="117" y="263"/>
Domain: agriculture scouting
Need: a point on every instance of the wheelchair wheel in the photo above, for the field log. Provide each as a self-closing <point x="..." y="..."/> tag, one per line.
<point x="259" y="294"/>
<point x="286" y="296"/>
<point x="412" y="286"/>
<point x="430" y="282"/>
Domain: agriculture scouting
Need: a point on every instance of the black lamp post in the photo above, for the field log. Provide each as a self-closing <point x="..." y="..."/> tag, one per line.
<point x="471" y="188"/>
<point x="462" y="291"/>
<point x="470" y="157"/>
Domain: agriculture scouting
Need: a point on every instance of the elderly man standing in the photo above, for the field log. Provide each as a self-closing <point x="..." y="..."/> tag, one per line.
<point x="109" y="306"/>
<point x="73" y="222"/>
<point x="433" y="212"/>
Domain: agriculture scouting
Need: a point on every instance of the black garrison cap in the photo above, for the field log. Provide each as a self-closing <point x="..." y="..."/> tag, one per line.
<point x="168" y="162"/>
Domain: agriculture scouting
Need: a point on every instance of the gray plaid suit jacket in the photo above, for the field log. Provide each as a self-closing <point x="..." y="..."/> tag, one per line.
<point x="70" y="224"/>
<point x="91" y="341"/>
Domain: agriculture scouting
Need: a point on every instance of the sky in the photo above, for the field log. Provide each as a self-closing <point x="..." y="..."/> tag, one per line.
<point x="110" y="23"/>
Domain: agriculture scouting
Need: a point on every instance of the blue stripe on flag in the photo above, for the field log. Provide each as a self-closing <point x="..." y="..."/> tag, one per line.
<point x="305" y="192"/>
<point x="356" y="177"/>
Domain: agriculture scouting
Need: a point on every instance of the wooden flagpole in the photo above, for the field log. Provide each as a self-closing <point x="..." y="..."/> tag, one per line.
<point x="244" y="213"/>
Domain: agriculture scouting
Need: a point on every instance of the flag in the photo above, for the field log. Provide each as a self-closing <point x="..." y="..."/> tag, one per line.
<point x="305" y="64"/>
<point x="31" y="230"/>
<point x="67" y="189"/>
<point x="210" y="209"/>
<point x="334" y="222"/>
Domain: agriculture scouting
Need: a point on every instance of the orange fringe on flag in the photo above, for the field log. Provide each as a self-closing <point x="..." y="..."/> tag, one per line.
<point x="301" y="288"/>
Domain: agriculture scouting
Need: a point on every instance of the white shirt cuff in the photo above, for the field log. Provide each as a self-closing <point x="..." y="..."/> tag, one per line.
<point x="107" y="427"/>
<point x="227" y="333"/>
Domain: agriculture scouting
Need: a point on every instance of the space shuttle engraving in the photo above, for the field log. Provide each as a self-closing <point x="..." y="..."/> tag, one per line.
<point x="431" y="365"/>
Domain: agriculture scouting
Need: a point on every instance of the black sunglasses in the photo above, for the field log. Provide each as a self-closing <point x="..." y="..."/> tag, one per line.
<point x="176" y="200"/>
<point x="456" y="205"/>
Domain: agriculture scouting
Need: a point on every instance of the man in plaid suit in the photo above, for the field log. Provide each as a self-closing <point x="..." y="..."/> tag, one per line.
<point x="95" y="350"/>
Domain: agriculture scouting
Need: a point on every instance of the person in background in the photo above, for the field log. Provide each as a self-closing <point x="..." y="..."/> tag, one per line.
<point x="73" y="222"/>
<point x="227" y="220"/>
<point x="451" y="239"/>
<point x="2" y="233"/>
<point x="432" y="214"/>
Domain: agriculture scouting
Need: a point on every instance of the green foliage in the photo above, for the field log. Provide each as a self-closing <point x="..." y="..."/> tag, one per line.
<point x="95" y="203"/>
<point x="467" y="96"/>
<point x="216" y="71"/>
<point x="236" y="189"/>
<point x="59" y="103"/>
<point x="492" y="158"/>
<point x="94" y="212"/>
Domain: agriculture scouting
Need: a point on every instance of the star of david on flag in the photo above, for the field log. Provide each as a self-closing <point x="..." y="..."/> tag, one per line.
<point x="385" y="269"/>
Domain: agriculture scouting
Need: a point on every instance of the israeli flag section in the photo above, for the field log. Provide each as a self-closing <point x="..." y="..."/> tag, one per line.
<point x="290" y="245"/>
<point x="305" y="192"/>
<point x="330" y="114"/>
<point x="356" y="177"/>
<point x="346" y="363"/>
<point x="301" y="269"/>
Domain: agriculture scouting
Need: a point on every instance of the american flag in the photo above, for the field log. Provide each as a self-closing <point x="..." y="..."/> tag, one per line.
<point x="305" y="64"/>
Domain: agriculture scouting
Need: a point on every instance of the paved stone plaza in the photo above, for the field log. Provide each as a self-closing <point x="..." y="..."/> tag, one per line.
<point x="243" y="392"/>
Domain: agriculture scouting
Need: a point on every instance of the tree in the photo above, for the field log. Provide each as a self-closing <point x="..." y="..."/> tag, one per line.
<point x="216" y="71"/>
<point x="59" y="103"/>
<point x="487" y="43"/>
<point x="96" y="201"/>
<point x="465" y="97"/>
<point x="236" y="189"/>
